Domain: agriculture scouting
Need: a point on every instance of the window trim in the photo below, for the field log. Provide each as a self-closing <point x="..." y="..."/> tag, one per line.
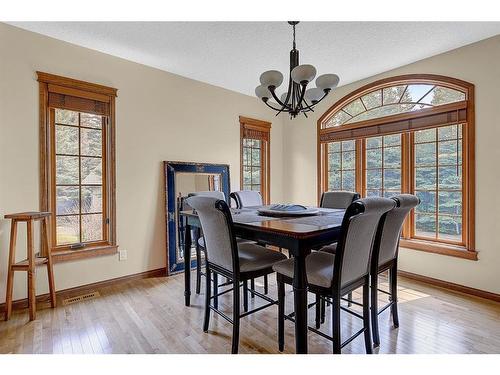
<point x="463" y="113"/>
<point x="258" y="129"/>
<point x="50" y="83"/>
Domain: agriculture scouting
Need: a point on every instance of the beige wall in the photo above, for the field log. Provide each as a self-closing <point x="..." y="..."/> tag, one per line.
<point x="478" y="64"/>
<point x="160" y="116"/>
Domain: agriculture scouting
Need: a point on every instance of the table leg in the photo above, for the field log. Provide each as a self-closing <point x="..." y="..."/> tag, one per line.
<point x="187" y="265"/>
<point x="300" y="303"/>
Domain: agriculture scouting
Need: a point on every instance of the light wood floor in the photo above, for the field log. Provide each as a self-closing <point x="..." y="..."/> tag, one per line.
<point x="149" y="316"/>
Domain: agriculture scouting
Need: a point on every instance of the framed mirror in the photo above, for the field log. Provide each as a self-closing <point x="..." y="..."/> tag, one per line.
<point x="181" y="180"/>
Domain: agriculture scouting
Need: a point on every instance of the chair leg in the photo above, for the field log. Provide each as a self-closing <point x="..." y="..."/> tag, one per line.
<point x="393" y="274"/>
<point x="216" y="289"/>
<point x="236" y="316"/>
<point x="50" y="268"/>
<point x="374" y="308"/>
<point x="252" y="287"/>
<point x="323" y="310"/>
<point x="318" y="311"/>
<point x="281" y="315"/>
<point x="366" y="316"/>
<point x="245" y="296"/>
<point x="349" y="299"/>
<point x="266" y="285"/>
<point x="336" y="325"/>
<point x="10" y="273"/>
<point x="198" y="269"/>
<point x="31" y="273"/>
<point x="208" y="283"/>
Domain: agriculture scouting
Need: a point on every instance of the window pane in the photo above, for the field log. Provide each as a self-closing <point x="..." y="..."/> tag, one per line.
<point x="91" y="199"/>
<point x="66" y="170"/>
<point x="348" y="182"/>
<point x="91" y="142"/>
<point x="67" y="230"/>
<point x="392" y="140"/>
<point x="334" y="180"/>
<point x="374" y="193"/>
<point x="348" y="160"/>
<point x="67" y="200"/>
<point x="450" y="202"/>
<point x="91" y="170"/>
<point x="392" y="179"/>
<point x="64" y="116"/>
<point x="392" y="157"/>
<point x="428" y="135"/>
<point x="450" y="227"/>
<point x="389" y="194"/>
<point x="91" y="121"/>
<point x="66" y="140"/>
<point x="425" y="178"/>
<point x="425" y="154"/>
<point x="338" y="119"/>
<point x="416" y="92"/>
<point x="247" y="175"/>
<point x="427" y="201"/>
<point x="354" y="108"/>
<point x="374" y="158"/>
<point x="334" y="160"/>
<point x="443" y="95"/>
<point x="246" y="156"/>
<point x="450" y="178"/>
<point x="256" y="156"/>
<point x="374" y="179"/>
<point x="91" y="227"/>
<point x="449" y="132"/>
<point x="348" y="145"/>
<point x="334" y="147"/>
<point x="256" y="176"/>
<point x="373" y="99"/>
<point x="256" y="143"/>
<point x="374" y="142"/>
<point x="425" y="225"/>
<point x="448" y="153"/>
<point x="393" y="94"/>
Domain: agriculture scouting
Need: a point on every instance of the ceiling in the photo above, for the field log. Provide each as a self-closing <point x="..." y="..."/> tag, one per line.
<point x="234" y="54"/>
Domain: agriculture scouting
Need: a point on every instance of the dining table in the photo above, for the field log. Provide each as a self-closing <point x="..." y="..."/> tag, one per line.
<point x="299" y="235"/>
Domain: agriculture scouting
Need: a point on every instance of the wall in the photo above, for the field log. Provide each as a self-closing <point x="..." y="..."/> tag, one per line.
<point x="160" y="116"/>
<point x="476" y="63"/>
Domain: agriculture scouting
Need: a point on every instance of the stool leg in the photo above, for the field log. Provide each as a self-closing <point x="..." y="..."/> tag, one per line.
<point x="10" y="274"/>
<point x="50" y="270"/>
<point x="31" y="272"/>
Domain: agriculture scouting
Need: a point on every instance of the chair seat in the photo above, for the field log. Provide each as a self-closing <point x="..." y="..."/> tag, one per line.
<point x="254" y="257"/>
<point x="332" y="248"/>
<point x="319" y="268"/>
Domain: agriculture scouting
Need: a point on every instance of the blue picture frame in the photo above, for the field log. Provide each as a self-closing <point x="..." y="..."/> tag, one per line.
<point x="175" y="264"/>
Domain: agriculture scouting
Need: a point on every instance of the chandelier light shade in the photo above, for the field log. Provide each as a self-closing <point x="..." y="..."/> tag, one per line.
<point x="298" y="98"/>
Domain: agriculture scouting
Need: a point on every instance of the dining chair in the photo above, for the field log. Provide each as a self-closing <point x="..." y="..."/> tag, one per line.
<point x="250" y="198"/>
<point x="338" y="199"/>
<point x="237" y="262"/>
<point x="335" y="275"/>
<point x="385" y="258"/>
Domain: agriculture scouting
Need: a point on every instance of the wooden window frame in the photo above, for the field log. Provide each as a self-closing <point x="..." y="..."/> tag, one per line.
<point x="259" y="130"/>
<point x="67" y="93"/>
<point x="407" y="123"/>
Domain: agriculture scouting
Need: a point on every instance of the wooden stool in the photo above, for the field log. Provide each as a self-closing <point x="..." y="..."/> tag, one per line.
<point x="29" y="265"/>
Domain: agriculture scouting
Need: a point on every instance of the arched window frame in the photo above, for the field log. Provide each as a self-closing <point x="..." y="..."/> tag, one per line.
<point x="406" y="124"/>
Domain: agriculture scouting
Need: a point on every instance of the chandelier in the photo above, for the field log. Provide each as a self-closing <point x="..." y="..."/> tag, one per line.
<point x="298" y="98"/>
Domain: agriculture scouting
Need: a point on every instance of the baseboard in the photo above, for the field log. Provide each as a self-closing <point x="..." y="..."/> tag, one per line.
<point x="65" y="293"/>
<point x="451" y="286"/>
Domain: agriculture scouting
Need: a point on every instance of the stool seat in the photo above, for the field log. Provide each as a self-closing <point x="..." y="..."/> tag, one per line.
<point x="33" y="261"/>
<point x="30" y="215"/>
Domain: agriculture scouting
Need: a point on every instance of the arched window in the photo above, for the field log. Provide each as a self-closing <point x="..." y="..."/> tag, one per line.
<point x="408" y="134"/>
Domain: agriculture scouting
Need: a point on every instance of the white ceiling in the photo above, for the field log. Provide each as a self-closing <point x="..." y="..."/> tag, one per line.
<point x="233" y="54"/>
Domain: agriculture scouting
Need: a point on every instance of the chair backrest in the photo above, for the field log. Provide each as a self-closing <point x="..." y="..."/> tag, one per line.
<point x="338" y="199"/>
<point x="359" y="226"/>
<point x="247" y="198"/>
<point x="213" y="194"/>
<point x="390" y="228"/>
<point x="217" y="224"/>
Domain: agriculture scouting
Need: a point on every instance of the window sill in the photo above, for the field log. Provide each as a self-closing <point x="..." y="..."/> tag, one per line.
<point x="68" y="255"/>
<point x="443" y="249"/>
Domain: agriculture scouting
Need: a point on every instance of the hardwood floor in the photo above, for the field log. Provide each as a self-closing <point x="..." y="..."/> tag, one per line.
<point x="149" y="316"/>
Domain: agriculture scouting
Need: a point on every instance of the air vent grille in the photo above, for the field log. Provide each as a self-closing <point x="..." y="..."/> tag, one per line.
<point x="83" y="297"/>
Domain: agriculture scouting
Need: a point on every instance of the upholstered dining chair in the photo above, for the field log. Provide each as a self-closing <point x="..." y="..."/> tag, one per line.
<point x="237" y="262"/>
<point x="335" y="275"/>
<point x="338" y="199"/>
<point x="385" y="257"/>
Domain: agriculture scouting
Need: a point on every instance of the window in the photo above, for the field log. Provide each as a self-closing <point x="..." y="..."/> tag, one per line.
<point x="408" y="134"/>
<point x="255" y="156"/>
<point x="77" y="161"/>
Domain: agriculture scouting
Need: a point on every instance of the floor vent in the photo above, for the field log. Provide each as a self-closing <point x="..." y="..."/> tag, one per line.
<point x="83" y="297"/>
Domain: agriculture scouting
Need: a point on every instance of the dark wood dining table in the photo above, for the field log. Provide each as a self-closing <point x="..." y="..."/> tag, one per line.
<point x="299" y="235"/>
